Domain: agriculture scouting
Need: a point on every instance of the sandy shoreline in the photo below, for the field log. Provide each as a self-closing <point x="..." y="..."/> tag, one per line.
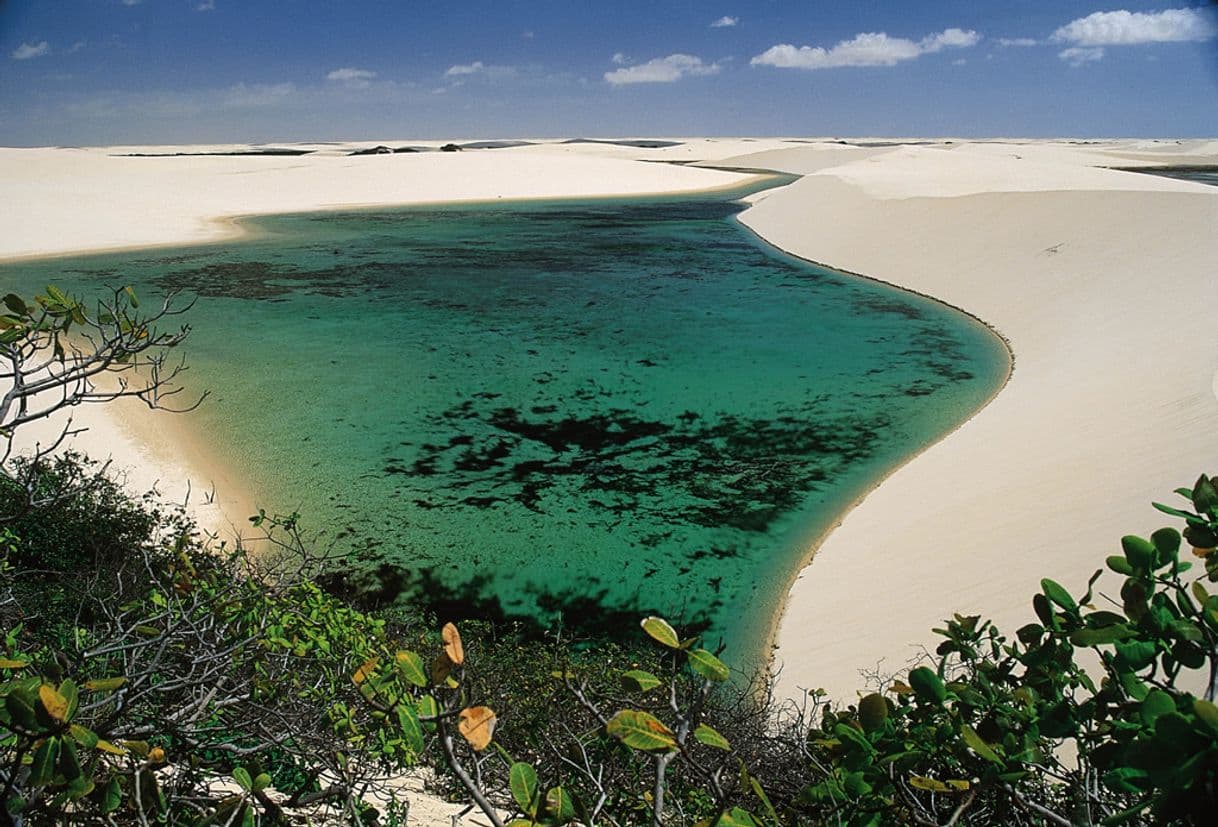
<point x="1100" y="280"/>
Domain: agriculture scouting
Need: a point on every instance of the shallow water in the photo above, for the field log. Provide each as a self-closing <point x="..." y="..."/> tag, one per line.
<point x="593" y="410"/>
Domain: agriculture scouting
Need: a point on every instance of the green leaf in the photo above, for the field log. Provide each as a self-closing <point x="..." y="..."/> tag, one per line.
<point x="42" y="770"/>
<point x="977" y="745"/>
<point x="736" y="817"/>
<point x="1139" y="552"/>
<point x="708" y="666"/>
<point x="135" y="302"/>
<point x="1098" y="637"/>
<point x="16" y="304"/>
<point x="706" y="735"/>
<point x="261" y="781"/>
<point x="87" y="738"/>
<point x="428" y="707"/>
<point x="1157" y="704"/>
<point x="69" y="763"/>
<point x="1058" y="595"/>
<point x="412" y="668"/>
<point x="112" y="797"/>
<point x="873" y="712"/>
<point x="412" y="730"/>
<point x="1167" y="541"/>
<point x="763" y="798"/>
<point x="659" y="630"/>
<point x="641" y="731"/>
<point x="21" y="712"/>
<point x="559" y="805"/>
<point x="1205" y="496"/>
<point x="71" y="694"/>
<point x="1207" y="712"/>
<point x="928" y="686"/>
<point x="639" y="681"/>
<point x="1120" y="565"/>
<point x="523" y="780"/>
<point x="242" y="776"/>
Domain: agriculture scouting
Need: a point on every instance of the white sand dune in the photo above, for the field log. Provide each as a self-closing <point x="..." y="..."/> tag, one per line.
<point x="1103" y="282"/>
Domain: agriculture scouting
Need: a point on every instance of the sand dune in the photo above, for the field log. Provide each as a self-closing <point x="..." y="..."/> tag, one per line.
<point x="1102" y="281"/>
<point x="1104" y="284"/>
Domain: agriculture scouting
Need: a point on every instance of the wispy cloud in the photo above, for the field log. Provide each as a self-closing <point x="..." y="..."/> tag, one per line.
<point x="1082" y="55"/>
<point x="462" y="69"/>
<point x="662" y="70"/>
<point x="255" y="95"/>
<point x="31" y="50"/>
<point x="131" y="2"/>
<point x="1125" y="28"/>
<point x="350" y="76"/>
<point x="866" y="49"/>
<point x="206" y="5"/>
<point x="1008" y="42"/>
<point x="725" y="22"/>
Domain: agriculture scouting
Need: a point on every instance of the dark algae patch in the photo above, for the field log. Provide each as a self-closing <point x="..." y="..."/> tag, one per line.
<point x="575" y="412"/>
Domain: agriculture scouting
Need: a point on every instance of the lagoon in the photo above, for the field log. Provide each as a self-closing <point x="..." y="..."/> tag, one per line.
<point x="567" y="412"/>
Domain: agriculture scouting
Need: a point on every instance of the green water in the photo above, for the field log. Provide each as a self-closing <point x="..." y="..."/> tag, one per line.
<point x="597" y="409"/>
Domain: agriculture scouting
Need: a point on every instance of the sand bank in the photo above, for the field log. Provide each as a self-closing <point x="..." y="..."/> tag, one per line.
<point x="1102" y="282"/>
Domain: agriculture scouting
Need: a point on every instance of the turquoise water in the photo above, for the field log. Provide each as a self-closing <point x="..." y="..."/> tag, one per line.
<point x="592" y="410"/>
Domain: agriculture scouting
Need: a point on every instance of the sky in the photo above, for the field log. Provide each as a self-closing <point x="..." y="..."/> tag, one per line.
<point x="97" y="72"/>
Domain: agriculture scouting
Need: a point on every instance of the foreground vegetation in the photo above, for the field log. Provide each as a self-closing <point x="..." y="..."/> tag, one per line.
<point x="151" y="677"/>
<point x="148" y="678"/>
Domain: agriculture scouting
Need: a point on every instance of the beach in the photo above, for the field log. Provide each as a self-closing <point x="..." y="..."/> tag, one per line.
<point x="1100" y="281"/>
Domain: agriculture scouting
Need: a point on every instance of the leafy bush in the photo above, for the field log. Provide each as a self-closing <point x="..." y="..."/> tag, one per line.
<point x="171" y="667"/>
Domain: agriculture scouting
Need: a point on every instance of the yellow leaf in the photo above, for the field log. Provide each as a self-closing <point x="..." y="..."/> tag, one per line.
<point x="477" y="725"/>
<point x="157" y="755"/>
<point x="104" y="684"/>
<point x="364" y="671"/>
<point x="957" y="784"/>
<point x="13" y="664"/>
<point x="452" y="644"/>
<point x="56" y="705"/>
<point x="929" y="784"/>
<point x="106" y="746"/>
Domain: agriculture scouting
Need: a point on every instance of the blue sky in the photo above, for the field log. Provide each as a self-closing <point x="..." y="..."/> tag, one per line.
<point x="118" y="71"/>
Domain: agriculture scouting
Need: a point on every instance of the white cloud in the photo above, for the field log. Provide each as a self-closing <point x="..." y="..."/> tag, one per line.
<point x="75" y="47"/>
<point x="1081" y="55"/>
<point x="618" y="59"/>
<point x="206" y="5"/>
<point x="1022" y="42"/>
<point x="1124" y="28"/>
<point x="725" y="22"/>
<point x="29" y="50"/>
<point x="349" y="75"/>
<point x="662" y="70"/>
<point x="949" y="39"/>
<point x="959" y="62"/>
<point x="131" y="2"/>
<point x="465" y="69"/>
<point x="866" y="49"/>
